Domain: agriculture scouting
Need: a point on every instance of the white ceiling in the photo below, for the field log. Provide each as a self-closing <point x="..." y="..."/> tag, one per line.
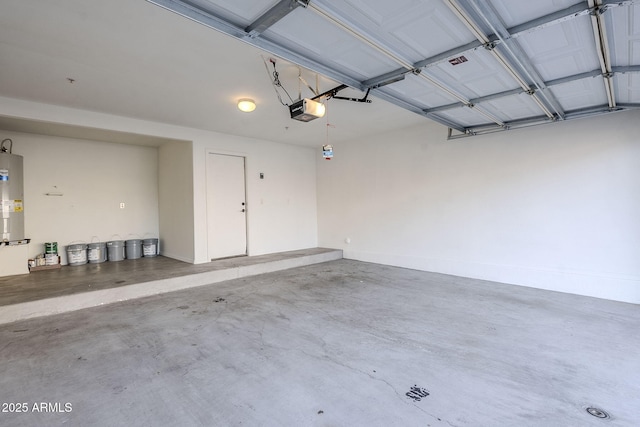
<point x="135" y="59"/>
<point x="132" y="58"/>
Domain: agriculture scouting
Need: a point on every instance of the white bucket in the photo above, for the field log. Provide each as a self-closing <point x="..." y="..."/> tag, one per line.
<point x="77" y="254"/>
<point x="149" y="247"/>
<point x="97" y="252"/>
<point x="116" y="250"/>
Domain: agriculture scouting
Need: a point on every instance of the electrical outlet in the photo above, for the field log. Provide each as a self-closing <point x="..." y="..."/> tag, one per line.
<point x="122" y="205"/>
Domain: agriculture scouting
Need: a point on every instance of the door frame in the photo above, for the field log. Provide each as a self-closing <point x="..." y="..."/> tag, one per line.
<point x="246" y="194"/>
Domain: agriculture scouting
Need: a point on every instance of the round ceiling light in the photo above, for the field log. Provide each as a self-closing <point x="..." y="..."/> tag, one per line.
<point x="246" y="105"/>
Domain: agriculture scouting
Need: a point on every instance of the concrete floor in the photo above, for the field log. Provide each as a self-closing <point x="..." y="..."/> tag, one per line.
<point x="70" y="280"/>
<point x="342" y="343"/>
<point x="76" y="287"/>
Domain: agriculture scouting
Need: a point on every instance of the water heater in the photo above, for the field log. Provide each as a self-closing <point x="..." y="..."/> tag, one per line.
<point x="11" y="194"/>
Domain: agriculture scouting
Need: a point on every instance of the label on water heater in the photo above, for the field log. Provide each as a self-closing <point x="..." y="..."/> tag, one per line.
<point x="4" y="175"/>
<point x="8" y="206"/>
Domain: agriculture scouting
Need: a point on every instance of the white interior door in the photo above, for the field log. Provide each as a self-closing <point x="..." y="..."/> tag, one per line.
<point x="226" y="206"/>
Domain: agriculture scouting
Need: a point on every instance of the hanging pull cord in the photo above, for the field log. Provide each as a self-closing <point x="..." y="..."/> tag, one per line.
<point x="3" y="149"/>
<point x="275" y="81"/>
<point x="329" y="125"/>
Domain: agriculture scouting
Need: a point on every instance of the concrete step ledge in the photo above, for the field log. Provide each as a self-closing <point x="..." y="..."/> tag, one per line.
<point x="79" y="301"/>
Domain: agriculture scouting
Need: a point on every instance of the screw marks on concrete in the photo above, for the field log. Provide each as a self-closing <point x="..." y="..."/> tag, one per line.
<point x="320" y="412"/>
<point x="183" y="307"/>
<point x="119" y="282"/>
<point x="219" y="300"/>
<point x="416" y="393"/>
<point x="597" y="412"/>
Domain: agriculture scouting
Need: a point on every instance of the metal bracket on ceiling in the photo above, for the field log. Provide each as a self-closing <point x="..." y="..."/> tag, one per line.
<point x="489" y="45"/>
<point x="333" y="93"/>
<point x="464" y="133"/>
<point x="330" y="93"/>
<point x="600" y="9"/>
<point x="273" y="15"/>
<point x="388" y="82"/>
<point x="363" y="99"/>
<point x="389" y="78"/>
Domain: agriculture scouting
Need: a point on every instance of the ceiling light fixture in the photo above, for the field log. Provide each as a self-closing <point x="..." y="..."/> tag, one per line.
<point x="246" y="105"/>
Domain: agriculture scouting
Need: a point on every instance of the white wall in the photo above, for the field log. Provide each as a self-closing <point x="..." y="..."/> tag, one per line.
<point x="93" y="178"/>
<point x="175" y="181"/>
<point x="555" y="207"/>
<point x="281" y="208"/>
